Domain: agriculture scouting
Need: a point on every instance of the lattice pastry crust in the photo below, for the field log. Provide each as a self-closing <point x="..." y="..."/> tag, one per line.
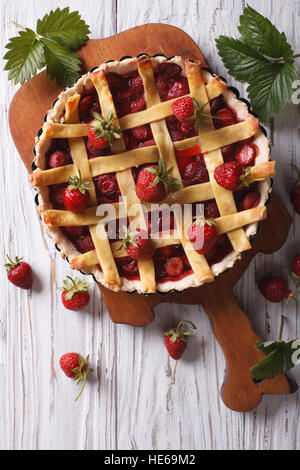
<point x="63" y="122"/>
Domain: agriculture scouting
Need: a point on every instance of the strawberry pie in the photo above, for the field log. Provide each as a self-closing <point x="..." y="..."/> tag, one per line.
<point x="131" y="151"/>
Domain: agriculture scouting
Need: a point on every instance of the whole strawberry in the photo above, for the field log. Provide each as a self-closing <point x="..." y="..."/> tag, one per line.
<point x="296" y="269"/>
<point x="203" y="235"/>
<point x="154" y="182"/>
<point x="295" y="194"/>
<point x="76" y="367"/>
<point x="75" y="196"/>
<point x="188" y="109"/>
<point x="74" y="294"/>
<point x="176" y="339"/>
<point x="228" y="175"/>
<point x="183" y="108"/>
<point x="59" y="158"/>
<point x="275" y="289"/>
<point x="101" y="131"/>
<point x="19" y="273"/>
<point x="138" y="244"/>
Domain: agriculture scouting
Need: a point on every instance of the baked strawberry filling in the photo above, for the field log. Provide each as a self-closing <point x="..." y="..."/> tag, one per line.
<point x="171" y="262"/>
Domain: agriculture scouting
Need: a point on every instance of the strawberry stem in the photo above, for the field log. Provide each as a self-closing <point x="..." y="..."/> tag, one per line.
<point x="281" y="328"/>
<point x="83" y="385"/>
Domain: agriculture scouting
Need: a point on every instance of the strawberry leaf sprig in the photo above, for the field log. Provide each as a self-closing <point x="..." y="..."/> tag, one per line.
<point x="263" y="58"/>
<point x="199" y="114"/>
<point x="162" y="174"/>
<point x="281" y="356"/>
<point x="58" y="35"/>
<point x="104" y="127"/>
<point x="74" y="285"/>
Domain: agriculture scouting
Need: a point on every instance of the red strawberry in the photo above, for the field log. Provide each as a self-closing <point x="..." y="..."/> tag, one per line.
<point x="57" y="195"/>
<point x="195" y="172"/>
<point x="203" y="235"/>
<point x="114" y="81"/>
<point x="74" y="294"/>
<point x="101" y="132"/>
<point x="136" y="84"/>
<point x="228" y="152"/>
<point x="19" y="273"/>
<point x="153" y="182"/>
<point x="75" y="196"/>
<point x="75" y="367"/>
<point x="174" y="266"/>
<point x="179" y="88"/>
<point x="148" y="143"/>
<point x="216" y="104"/>
<point x="296" y="268"/>
<point x="169" y="70"/>
<point x="74" y="231"/>
<point x="95" y="141"/>
<point x="183" y="108"/>
<point x="85" y="243"/>
<point x="228" y="175"/>
<point x="246" y="154"/>
<point x="275" y="289"/>
<point x="224" y="118"/>
<point x="106" y="183"/>
<point x="295" y="194"/>
<point x="59" y="158"/>
<point x="85" y="105"/>
<point x="138" y="244"/>
<point x="176" y="339"/>
<point x="251" y="200"/>
<point x="162" y="86"/>
<point x="140" y="133"/>
<point x="211" y="210"/>
<point x="138" y="104"/>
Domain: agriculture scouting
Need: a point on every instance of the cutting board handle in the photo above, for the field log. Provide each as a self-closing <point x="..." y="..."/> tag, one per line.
<point x="238" y="391"/>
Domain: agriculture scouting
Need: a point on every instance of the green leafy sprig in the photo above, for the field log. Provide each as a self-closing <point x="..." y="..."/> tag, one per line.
<point x="74" y="285"/>
<point x="128" y="238"/>
<point x="77" y="183"/>
<point x="263" y="58"/>
<point x="104" y="127"/>
<point x="58" y="35"/>
<point x="281" y="356"/>
<point x="199" y="114"/>
<point x="163" y="175"/>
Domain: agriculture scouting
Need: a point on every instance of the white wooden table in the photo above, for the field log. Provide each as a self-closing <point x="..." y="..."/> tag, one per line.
<point x="138" y="398"/>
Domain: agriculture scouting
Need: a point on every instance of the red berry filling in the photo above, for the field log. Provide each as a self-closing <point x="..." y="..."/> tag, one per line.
<point x="107" y="188"/>
<point x="84" y="243"/>
<point x="128" y="267"/>
<point x="195" y="172"/>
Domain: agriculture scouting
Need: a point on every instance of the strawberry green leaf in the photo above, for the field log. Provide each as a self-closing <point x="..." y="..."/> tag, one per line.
<point x="263" y="58"/>
<point x="62" y="64"/>
<point x="24" y="57"/>
<point x="68" y="29"/>
<point x="278" y="359"/>
<point x="271" y="88"/>
<point x="240" y="59"/>
<point x="258" y="31"/>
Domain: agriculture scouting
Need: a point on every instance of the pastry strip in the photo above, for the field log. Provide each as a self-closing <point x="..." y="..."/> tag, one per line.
<point x="165" y="145"/>
<point x="98" y="232"/>
<point x="125" y="181"/>
<point x="224" y="198"/>
<point x="78" y="149"/>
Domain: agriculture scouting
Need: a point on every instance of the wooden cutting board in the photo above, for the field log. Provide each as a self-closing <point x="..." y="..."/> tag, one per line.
<point x="231" y="325"/>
